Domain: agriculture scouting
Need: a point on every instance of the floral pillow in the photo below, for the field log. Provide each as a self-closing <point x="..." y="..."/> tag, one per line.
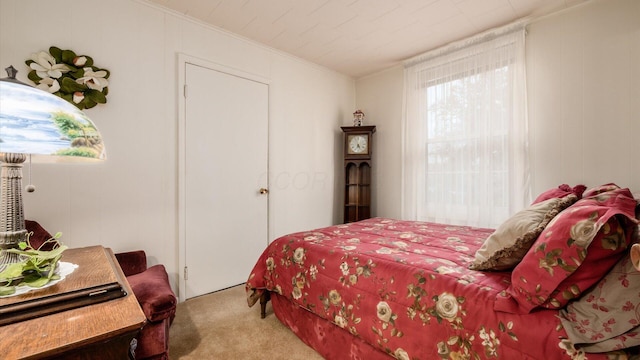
<point x="560" y="192"/>
<point x="506" y="246"/>
<point x="573" y="252"/>
<point x="606" y="317"/>
<point x="600" y="189"/>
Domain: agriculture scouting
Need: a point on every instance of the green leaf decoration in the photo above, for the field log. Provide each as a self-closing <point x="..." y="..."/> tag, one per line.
<point x="96" y="96"/>
<point x="74" y="77"/>
<point x="69" y="86"/>
<point x="582" y="254"/>
<point x="7" y="290"/>
<point x="541" y="247"/>
<point x="68" y="97"/>
<point x="37" y="282"/>
<point x="78" y="73"/>
<point x="568" y="268"/>
<point x="555" y="252"/>
<point x="88" y="103"/>
<point x="56" y="53"/>
<point x="34" y="77"/>
<point x="68" y="56"/>
<point x="36" y="270"/>
<point x="11" y="271"/>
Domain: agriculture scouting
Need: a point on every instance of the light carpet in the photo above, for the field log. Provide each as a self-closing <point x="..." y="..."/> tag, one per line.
<point x="221" y="325"/>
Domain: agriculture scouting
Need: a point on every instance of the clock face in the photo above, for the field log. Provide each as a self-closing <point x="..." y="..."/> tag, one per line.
<point x="358" y="144"/>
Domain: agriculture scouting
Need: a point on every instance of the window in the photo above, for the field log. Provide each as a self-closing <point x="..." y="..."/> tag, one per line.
<point x="465" y="140"/>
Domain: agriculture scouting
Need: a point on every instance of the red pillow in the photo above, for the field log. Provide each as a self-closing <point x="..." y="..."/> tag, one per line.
<point x="594" y="231"/>
<point x="560" y="192"/>
<point x="601" y="189"/>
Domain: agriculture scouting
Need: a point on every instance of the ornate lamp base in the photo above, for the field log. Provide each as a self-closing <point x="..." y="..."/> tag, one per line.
<point x="12" y="228"/>
<point x="10" y="240"/>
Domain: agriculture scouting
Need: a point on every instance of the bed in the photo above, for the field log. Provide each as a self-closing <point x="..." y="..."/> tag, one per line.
<point x="555" y="281"/>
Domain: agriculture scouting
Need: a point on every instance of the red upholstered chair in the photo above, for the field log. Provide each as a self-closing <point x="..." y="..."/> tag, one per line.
<point x="157" y="300"/>
<point x="152" y="289"/>
<point x="38" y="235"/>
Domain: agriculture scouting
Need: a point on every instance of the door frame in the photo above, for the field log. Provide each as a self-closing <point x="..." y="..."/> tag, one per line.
<point x="183" y="60"/>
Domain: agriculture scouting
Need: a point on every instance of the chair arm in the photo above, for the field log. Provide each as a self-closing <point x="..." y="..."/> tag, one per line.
<point x="38" y="235"/>
<point x="132" y="262"/>
<point x="153" y="291"/>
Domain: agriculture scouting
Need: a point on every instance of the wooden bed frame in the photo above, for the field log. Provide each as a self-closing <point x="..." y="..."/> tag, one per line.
<point x="264" y="299"/>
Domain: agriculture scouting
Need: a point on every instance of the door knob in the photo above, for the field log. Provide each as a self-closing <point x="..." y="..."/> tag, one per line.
<point x="264" y="191"/>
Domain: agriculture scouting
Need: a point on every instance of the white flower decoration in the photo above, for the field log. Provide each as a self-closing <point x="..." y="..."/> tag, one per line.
<point x="447" y="306"/>
<point x="400" y="244"/>
<point x="78" y="96"/>
<point x="384" y="311"/>
<point x="353" y="279"/>
<point x="49" y="84"/>
<point x="271" y="264"/>
<point x="70" y="76"/>
<point x="575" y="354"/>
<point x="344" y="267"/>
<point x="334" y="297"/>
<point x="401" y="354"/>
<point x="583" y="232"/>
<point x="296" y="293"/>
<point x="340" y="321"/>
<point x="298" y="255"/>
<point x="79" y="60"/>
<point x="385" y="250"/>
<point x="446" y="270"/>
<point x="45" y="66"/>
<point x="443" y="350"/>
<point x="94" y="79"/>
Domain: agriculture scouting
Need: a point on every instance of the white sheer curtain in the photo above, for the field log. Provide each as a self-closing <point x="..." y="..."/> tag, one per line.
<point x="465" y="132"/>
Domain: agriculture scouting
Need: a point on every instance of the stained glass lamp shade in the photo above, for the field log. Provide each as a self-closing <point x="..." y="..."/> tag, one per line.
<point x="35" y="123"/>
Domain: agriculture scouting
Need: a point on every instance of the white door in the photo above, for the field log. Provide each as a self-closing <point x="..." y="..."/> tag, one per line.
<point x="225" y="165"/>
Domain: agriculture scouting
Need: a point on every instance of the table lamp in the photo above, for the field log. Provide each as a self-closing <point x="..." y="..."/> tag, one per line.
<point x="36" y="124"/>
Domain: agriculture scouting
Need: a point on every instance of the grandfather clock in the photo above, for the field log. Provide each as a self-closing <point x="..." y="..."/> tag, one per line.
<point x="357" y="170"/>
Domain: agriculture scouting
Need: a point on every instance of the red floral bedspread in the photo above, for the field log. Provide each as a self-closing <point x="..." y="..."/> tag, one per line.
<point x="405" y="288"/>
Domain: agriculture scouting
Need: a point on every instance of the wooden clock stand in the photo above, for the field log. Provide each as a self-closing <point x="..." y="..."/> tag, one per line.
<point x="357" y="168"/>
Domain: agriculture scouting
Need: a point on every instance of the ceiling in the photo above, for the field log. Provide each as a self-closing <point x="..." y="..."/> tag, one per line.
<point x="359" y="37"/>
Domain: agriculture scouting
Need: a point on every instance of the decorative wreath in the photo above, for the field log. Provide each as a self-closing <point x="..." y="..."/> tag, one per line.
<point x="69" y="76"/>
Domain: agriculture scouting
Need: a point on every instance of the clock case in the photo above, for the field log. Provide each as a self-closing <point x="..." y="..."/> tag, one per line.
<point x="357" y="130"/>
<point x="357" y="172"/>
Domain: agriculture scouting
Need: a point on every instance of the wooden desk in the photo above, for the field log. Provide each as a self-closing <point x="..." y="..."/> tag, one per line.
<point x="98" y="331"/>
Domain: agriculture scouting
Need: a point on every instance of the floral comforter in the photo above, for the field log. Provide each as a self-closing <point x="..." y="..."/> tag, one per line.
<point x="405" y="288"/>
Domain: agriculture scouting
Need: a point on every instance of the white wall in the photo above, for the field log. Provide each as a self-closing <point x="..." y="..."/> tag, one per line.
<point x="380" y="97"/>
<point x="583" y="69"/>
<point x="583" y="73"/>
<point x="130" y="201"/>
